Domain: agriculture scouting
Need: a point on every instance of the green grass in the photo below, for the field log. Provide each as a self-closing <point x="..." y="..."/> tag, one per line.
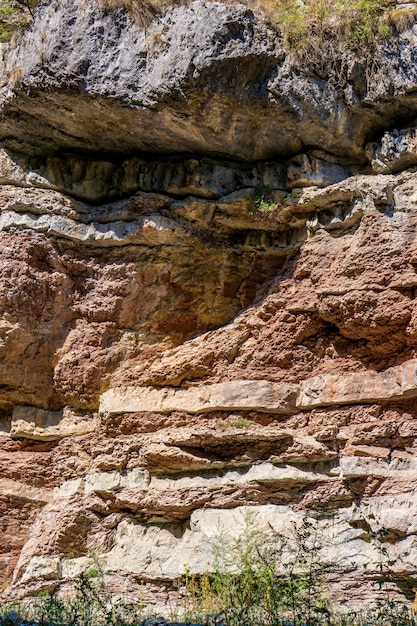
<point x="323" y="34"/>
<point x="348" y="24"/>
<point x="357" y="24"/>
<point x="239" y="422"/>
<point x="14" y="15"/>
<point x="313" y="28"/>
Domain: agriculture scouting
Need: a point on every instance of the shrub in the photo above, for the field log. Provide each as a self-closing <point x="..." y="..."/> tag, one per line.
<point x="264" y="578"/>
<point x="87" y="603"/>
<point x="268" y="579"/>
<point x="357" y="24"/>
<point x="15" y="14"/>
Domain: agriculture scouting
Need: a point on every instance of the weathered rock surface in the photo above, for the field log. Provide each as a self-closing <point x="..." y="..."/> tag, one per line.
<point x="96" y="180"/>
<point x="396" y="151"/>
<point x="207" y="298"/>
<point x="124" y="89"/>
<point x="41" y="425"/>
<point x="395" y="383"/>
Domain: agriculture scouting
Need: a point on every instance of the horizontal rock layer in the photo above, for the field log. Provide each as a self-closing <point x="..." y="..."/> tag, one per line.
<point x="208" y="274"/>
<point x="395" y="383"/>
<point x="41" y="425"/>
<point x="193" y="420"/>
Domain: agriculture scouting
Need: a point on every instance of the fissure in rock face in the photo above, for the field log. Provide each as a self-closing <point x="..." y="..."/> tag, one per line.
<point x="208" y="271"/>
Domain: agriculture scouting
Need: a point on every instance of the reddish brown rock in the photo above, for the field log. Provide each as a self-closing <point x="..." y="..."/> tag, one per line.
<point x="238" y="360"/>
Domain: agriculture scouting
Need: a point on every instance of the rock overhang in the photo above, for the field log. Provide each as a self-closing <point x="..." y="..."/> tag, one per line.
<point x="255" y="366"/>
<point x="205" y="78"/>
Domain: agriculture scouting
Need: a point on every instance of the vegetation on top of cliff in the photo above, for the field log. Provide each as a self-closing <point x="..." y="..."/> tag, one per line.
<point x="322" y="32"/>
<point x="306" y="25"/>
<point x="356" y="24"/>
<point x="14" y="14"/>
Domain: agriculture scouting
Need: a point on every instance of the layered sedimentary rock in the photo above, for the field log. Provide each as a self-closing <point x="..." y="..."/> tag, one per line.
<point x="208" y="270"/>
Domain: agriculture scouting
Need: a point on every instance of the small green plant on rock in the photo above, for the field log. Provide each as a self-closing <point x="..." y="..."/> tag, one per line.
<point x="239" y="422"/>
<point x="15" y="14"/>
<point x="263" y="200"/>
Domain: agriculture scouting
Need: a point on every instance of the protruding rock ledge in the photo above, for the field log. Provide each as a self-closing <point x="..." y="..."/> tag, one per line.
<point x="395" y="383"/>
<point x="396" y="151"/>
<point x="150" y="230"/>
<point x="250" y="395"/>
<point x="360" y="387"/>
<point x="30" y="422"/>
<point x="187" y="84"/>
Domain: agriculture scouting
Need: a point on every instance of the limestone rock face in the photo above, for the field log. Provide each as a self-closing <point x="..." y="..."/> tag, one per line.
<point x="396" y="151"/>
<point x="208" y="274"/>
<point x="96" y="81"/>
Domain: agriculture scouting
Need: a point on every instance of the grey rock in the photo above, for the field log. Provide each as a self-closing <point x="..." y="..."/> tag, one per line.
<point x="150" y="230"/>
<point x="205" y="78"/>
<point x="97" y="180"/>
<point x="13" y="618"/>
<point x="307" y="170"/>
<point x="154" y="621"/>
<point x="96" y="81"/>
<point x="161" y="621"/>
<point x="396" y="151"/>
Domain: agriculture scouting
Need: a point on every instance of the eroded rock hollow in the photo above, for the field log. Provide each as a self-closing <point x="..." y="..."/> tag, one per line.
<point x="208" y="271"/>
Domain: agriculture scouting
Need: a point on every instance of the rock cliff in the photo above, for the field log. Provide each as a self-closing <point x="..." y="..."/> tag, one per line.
<point x="208" y="273"/>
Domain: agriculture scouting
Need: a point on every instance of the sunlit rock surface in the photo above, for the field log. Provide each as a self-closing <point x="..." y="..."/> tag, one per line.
<point x="208" y="270"/>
